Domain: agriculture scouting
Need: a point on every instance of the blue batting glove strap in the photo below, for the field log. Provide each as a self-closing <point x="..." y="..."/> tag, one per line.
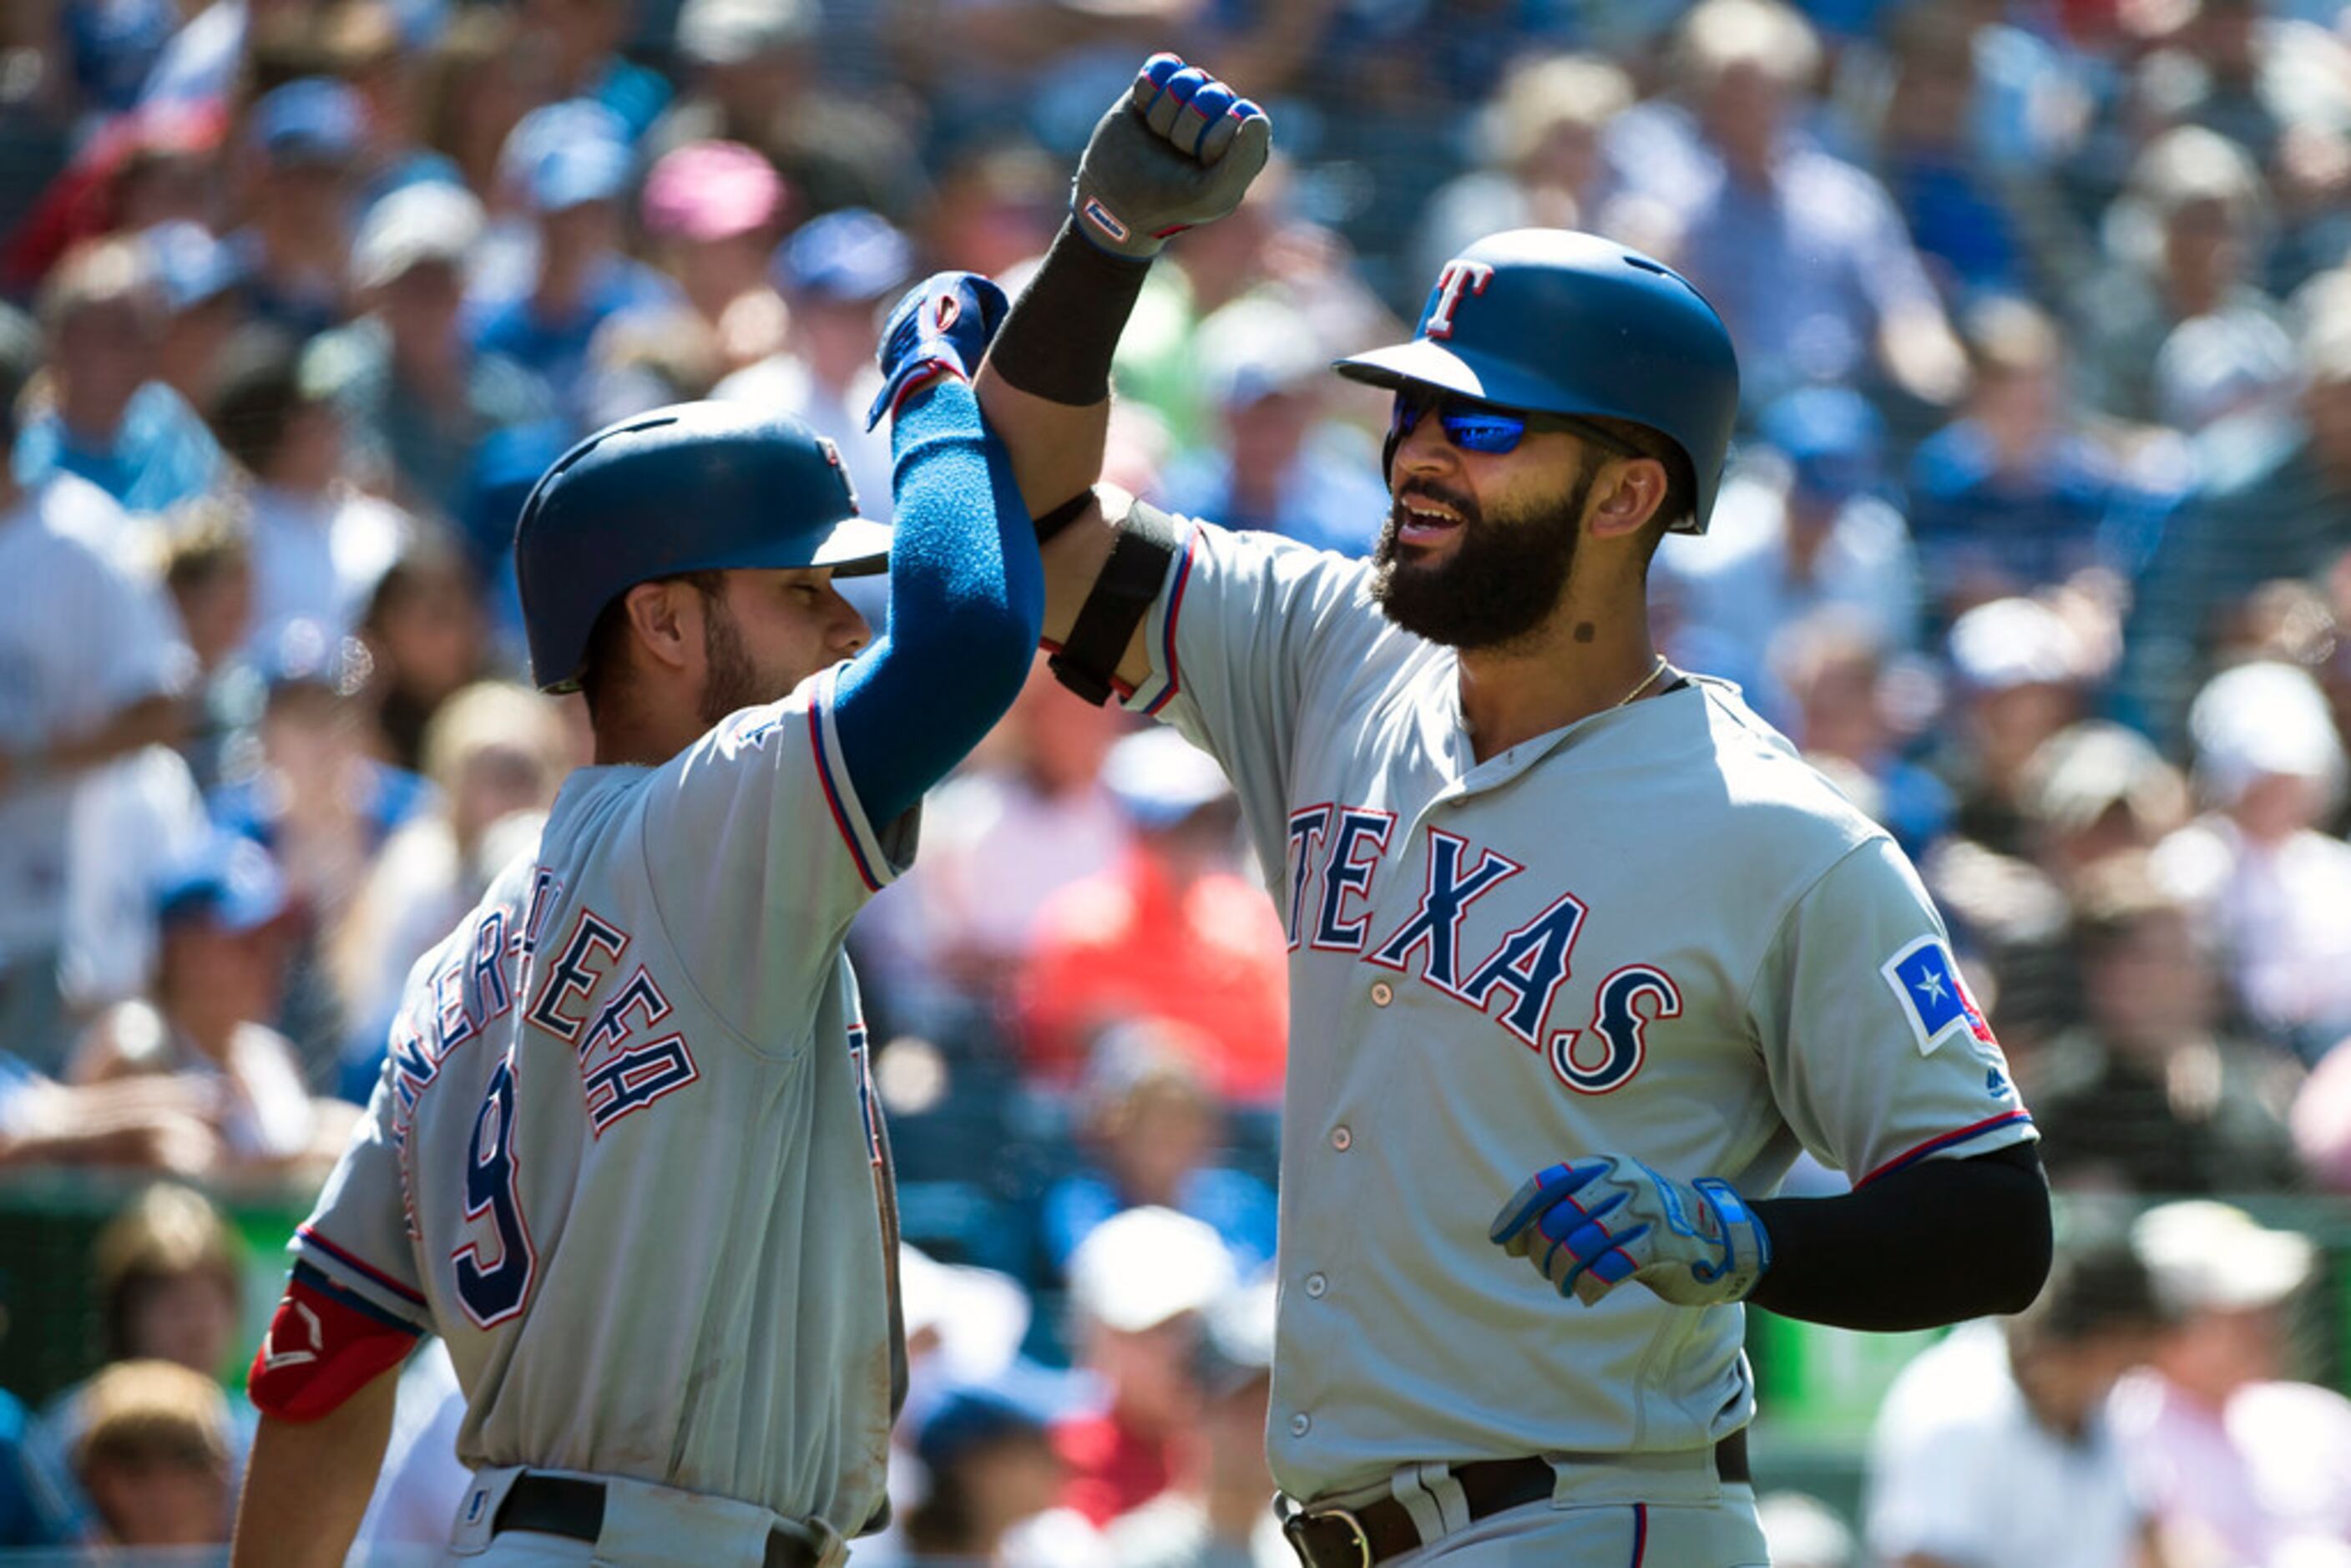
<point x="1588" y="1226"/>
<point x="941" y="327"/>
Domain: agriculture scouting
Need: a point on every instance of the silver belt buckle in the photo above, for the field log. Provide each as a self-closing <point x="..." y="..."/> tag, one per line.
<point x="1295" y="1527"/>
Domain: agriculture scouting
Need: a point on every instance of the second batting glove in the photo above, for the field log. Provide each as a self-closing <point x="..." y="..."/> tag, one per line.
<point x="1588" y="1226"/>
<point x="942" y="326"/>
<point x="1178" y="148"/>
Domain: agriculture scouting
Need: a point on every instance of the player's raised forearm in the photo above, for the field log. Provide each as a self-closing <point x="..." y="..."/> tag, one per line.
<point x="966" y="607"/>
<point x="1177" y="149"/>
<point x="307" y="1482"/>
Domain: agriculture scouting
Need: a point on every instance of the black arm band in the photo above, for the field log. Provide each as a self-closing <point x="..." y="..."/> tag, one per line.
<point x="1941" y="1241"/>
<point x="1130" y="580"/>
<point x="1058" y="340"/>
<point x="1062" y="516"/>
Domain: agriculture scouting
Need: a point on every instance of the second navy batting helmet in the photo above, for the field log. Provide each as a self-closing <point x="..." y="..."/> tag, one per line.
<point x="697" y="486"/>
<point x="1553" y="321"/>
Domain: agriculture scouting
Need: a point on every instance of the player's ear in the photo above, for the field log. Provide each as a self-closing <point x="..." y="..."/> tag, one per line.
<point x="665" y="620"/>
<point x="1626" y="496"/>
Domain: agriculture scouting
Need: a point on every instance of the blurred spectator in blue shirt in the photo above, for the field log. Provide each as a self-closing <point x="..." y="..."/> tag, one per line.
<point x="202" y="282"/>
<point x="2186" y="237"/>
<point x="581" y="277"/>
<point x="837" y="274"/>
<point x="2009" y="498"/>
<point x="1955" y="202"/>
<point x="1830" y="675"/>
<point x="580" y="43"/>
<point x="1542" y="165"/>
<point x="308" y="135"/>
<point x="1275" y="463"/>
<point x="1801" y="252"/>
<point x="110" y="421"/>
<point x="2273" y="506"/>
<point x="1802" y="525"/>
<point x="416" y="399"/>
<point x="1152" y="1129"/>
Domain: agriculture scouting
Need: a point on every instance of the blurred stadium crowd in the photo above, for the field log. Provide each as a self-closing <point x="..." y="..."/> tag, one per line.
<point x="2039" y="539"/>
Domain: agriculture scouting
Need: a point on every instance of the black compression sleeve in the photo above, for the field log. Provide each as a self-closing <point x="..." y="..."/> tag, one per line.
<point x="1058" y="340"/>
<point x="1939" y="1242"/>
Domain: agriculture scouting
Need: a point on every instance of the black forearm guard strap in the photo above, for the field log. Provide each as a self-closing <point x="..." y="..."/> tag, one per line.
<point x="1058" y="341"/>
<point x="1130" y="580"/>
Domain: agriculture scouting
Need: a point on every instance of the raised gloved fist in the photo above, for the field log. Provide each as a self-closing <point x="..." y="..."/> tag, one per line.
<point x="1590" y="1225"/>
<point x="941" y="327"/>
<point x="1177" y="149"/>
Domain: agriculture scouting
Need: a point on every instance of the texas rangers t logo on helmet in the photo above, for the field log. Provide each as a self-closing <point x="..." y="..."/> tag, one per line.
<point x="1459" y="278"/>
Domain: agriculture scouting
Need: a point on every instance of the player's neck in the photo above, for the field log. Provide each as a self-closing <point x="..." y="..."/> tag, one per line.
<point x="644" y="735"/>
<point x="1579" y="663"/>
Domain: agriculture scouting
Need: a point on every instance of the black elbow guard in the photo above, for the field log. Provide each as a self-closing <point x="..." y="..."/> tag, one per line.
<point x="1130" y="579"/>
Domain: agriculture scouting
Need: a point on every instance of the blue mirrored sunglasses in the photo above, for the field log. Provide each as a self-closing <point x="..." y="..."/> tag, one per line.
<point x="1482" y="427"/>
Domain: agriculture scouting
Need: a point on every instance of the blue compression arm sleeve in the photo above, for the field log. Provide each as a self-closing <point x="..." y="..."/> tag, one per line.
<point x="966" y="607"/>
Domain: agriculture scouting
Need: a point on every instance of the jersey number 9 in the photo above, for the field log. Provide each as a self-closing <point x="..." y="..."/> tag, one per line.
<point x="493" y="1291"/>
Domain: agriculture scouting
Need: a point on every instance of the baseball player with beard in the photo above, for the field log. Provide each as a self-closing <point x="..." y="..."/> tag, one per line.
<point x="1583" y="953"/>
<point x="624" y="1157"/>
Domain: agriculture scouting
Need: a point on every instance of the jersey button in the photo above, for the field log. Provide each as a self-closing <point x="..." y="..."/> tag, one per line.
<point x="1341" y="1138"/>
<point x="1315" y="1285"/>
<point x="1381" y="993"/>
<point x="1300" y="1424"/>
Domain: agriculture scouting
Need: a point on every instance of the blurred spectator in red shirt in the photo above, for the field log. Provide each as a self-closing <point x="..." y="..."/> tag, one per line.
<point x="1172" y="932"/>
<point x="1137" y="1288"/>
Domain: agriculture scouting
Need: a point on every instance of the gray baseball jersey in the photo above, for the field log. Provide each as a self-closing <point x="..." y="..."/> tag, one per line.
<point x="623" y="1156"/>
<point x="1655" y="931"/>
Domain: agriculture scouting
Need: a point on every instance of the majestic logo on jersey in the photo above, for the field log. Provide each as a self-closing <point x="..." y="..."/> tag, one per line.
<point x="1514" y="984"/>
<point x="1933" y="997"/>
<point x="1459" y="278"/>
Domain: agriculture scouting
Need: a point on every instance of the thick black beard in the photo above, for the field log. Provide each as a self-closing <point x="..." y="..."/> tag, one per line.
<point x="1502" y="581"/>
<point x="733" y="682"/>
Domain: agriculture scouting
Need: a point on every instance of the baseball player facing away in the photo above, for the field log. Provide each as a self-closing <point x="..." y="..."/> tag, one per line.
<point x="1581" y="953"/>
<point x="623" y="1157"/>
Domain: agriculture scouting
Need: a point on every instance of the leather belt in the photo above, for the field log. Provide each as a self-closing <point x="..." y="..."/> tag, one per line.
<point x="573" y="1508"/>
<point x="1360" y="1537"/>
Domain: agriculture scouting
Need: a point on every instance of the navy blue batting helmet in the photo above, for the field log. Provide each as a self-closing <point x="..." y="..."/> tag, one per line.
<point x="1553" y="321"/>
<point x="697" y="486"/>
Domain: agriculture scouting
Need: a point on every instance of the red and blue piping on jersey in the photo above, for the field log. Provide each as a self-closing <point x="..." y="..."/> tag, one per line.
<point x="317" y="1278"/>
<point x="1167" y="629"/>
<point x="310" y="1236"/>
<point x="832" y="799"/>
<point x="1640" y="1533"/>
<point x="1937" y="1144"/>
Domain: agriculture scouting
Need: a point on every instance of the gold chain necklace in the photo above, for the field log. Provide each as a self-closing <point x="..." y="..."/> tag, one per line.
<point x="1646" y="681"/>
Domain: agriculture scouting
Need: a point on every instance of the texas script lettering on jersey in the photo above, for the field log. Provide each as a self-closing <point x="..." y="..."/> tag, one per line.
<point x="1335" y="853"/>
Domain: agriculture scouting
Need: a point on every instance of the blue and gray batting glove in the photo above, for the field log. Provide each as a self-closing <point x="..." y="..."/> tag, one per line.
<point x="942" y="326"/>
<point x="1588" y="1226"/>
<point x="1178" y="148"/>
